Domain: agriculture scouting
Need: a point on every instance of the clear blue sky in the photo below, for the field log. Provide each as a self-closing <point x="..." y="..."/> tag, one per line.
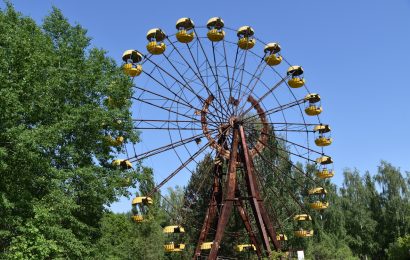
<point x="355" y="53"/>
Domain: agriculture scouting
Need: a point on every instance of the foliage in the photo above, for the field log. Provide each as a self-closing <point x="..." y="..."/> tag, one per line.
<point x="400" y="250"/>
<point x="56" y="176"/>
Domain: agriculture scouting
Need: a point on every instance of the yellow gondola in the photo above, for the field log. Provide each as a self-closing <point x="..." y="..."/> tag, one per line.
<point x="325" y="173"/>
<point x="206" y="245"/>
<point x="245" y="248"/>
<point x="281" y="237"/>
<point x="156" y="45"/>
<point x="215" y="33"/>
<point x="131" y="66"/>
<point x="322" y="140"/>
<point x="125" y="164"/>
<point x="185" y="28"/>
<point x="317" y="197"/>
<point x="296" y="81"/>
<point x="140" y="208"/>
<point x="312" y="109"/>
<point x="324" y="160"/>
<point x="272" y="58"/>
<point x="246" y="40"/>
<point x="302" y="230"/>
<point x="174" y="239"/>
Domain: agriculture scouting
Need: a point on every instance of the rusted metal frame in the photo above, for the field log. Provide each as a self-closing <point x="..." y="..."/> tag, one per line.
<point x="253" y="192"/>
<point x="230" y="195"/>
<point x="245" y="219"/>
<point x="211" y="211"/>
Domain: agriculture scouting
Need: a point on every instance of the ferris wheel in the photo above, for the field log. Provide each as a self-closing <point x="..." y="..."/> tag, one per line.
<point x="216" y="91"/>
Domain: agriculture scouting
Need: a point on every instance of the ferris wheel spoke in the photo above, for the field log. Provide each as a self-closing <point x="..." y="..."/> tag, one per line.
<point x="218" y="84"/>
<point x="242" y="68"/>
<point x="166" y="147"/>
<point x="266" y="94"/>
<point x="182" y="166"/>
<point x="275" y="110"/>
<point x="187" y="86"/>
<point x="254" y="85"/>
<point x="163" y="108"/>
<point x="215" y="74"/>
<point x="200" y="76"/>
<point x="285" y="150"/>
<point x="158" y="123"/>
<point x="166" y="87"/>
<point x="293" y="143"/>
<point x="287" y="160"/>
<point x="169" y="99"/>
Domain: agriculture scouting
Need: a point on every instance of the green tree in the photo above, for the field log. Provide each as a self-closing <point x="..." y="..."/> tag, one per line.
<point x="56" y="176"/>
<point x="400" y="249"/>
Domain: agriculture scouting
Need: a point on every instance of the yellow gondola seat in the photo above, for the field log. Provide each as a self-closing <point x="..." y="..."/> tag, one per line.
<point x="245" y="248"/>
<point x="171" y="247"/>
<point x="246" y="43"/>
<point x="317" y="191"/>
<point x="246" y="40"/>
<point x="125" y="164"/>
<point x="216" y="35"/>
<point x="323" y="141"/>
<point x="296" y="82"/>
<point x="303" y="233"/>
<point x="173" y="229"/>
<point x="319" y="205"/>
<point x="132" y="70"/>
<point x="325" y="174"/>
<point x="302" y="217"/>
<point x="137" y="218"/>
<point x="206" y="245"/>
<point x="272" y="58"/>
<point x="156" y="48"/>
<point x="185" y="37"/>
<point x="313" y="110"/>
<point x="324" y="160"/>
<point x="155" y="37"/>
